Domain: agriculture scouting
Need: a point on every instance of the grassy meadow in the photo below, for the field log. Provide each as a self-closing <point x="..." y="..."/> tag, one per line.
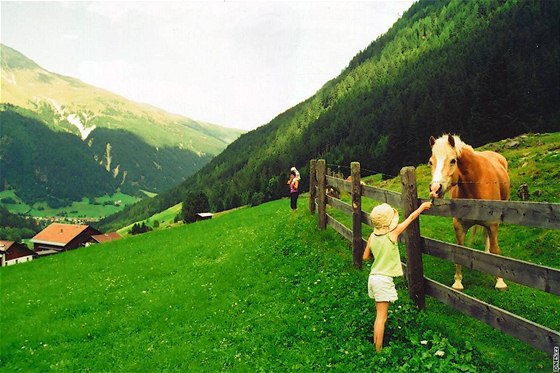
<point x="252" y="290"/>
<point x="165" y="219"/>
<point x="98" y="208"/>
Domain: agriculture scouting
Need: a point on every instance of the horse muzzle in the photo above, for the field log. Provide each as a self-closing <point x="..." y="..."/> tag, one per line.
<point x="436" y="190"/>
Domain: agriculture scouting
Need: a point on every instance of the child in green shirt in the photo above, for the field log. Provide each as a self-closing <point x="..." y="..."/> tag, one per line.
<point x="387" y="261"/>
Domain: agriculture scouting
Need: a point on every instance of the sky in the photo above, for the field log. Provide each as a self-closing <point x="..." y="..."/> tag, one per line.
<point x="232" y="63"/>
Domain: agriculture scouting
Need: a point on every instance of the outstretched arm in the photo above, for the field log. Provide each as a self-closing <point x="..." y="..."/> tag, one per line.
<point x="413" y="215"/>
<point x="367" y="252"/>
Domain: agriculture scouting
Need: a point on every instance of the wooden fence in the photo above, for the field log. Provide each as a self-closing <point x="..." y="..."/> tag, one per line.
<point x="543" y="215"/>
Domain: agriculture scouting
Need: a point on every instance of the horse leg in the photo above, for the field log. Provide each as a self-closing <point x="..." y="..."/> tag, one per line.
<point x="460" y="232"/>
<point x="492" y="245"/>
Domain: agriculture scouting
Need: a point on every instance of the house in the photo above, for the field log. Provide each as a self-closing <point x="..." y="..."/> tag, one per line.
<point x="14" y="252"/>
<point x="106" y="237"/>
<point x="203" y="216"/>
<point x="59" y="237"/>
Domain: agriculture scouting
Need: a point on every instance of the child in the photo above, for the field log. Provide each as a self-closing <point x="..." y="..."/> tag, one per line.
<point x="387" y="261"/>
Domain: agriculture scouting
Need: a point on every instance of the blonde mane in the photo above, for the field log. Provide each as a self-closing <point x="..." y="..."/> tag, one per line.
<point x="459" y="144"/>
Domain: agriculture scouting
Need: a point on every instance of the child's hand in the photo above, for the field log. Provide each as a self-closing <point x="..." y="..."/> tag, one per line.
<point x="426" y="205"/>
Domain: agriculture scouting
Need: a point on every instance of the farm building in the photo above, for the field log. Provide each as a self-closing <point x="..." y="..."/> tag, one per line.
<point x="62" y="237"/>
<point x="14" y="252"/>
<point x="203" y="216"/>
<point x="105" y="237"/>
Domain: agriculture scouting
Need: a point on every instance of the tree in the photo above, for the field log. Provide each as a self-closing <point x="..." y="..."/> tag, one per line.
<point x="192" y="205"/>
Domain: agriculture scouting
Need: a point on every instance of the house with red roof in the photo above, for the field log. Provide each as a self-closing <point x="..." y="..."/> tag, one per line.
<point x="59" y="237"/>
<point x="106" y="237"/>
<point x="14" y="252"/>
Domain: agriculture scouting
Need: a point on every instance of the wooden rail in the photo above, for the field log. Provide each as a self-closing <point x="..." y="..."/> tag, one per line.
<point x="532" y="214"/>
<point x="542" y="215"/>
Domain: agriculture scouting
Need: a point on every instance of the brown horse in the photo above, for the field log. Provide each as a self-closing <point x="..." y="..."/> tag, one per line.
<point x="471" y="174"/>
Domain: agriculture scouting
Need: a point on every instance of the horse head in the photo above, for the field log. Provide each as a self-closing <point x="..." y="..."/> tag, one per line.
<point x="445" y="154"/>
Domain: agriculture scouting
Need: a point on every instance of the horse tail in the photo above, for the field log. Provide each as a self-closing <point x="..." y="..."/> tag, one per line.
<point x="473" y="235"/>
<point x="484" y="235"/>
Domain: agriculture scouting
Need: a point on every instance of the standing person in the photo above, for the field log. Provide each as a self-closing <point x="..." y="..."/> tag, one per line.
<point x="294" y="185"/>
<point x="387" y="261"/>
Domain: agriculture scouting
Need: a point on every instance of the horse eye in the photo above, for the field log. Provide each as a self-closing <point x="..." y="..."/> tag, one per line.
<point x="453" y="161"/>
<point x="430" y="162"/>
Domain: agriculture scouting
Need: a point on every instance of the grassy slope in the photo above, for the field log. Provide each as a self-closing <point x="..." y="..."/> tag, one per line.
<point x="248" y="291"/>
<point x="165" y="218"/>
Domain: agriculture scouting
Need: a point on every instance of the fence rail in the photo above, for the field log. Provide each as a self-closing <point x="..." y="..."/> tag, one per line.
<point x="532" y="214"/>
<point x="543" y="215"/>
<point x="535" y="276"/>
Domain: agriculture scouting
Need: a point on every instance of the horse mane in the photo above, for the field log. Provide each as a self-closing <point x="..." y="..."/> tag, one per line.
<point x="459" y="144"/>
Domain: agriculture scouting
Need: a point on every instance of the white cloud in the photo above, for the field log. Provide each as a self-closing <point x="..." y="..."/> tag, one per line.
<point x="237" y="63"/>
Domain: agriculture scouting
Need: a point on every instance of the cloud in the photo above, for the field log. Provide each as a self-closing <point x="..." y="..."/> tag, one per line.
<point x="114" y="11"/>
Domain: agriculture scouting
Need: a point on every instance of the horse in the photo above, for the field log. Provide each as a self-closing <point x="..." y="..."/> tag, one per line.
<point x="471" y="174"/>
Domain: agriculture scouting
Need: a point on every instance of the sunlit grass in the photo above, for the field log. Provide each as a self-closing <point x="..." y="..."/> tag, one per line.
<point x="252" y="290"/>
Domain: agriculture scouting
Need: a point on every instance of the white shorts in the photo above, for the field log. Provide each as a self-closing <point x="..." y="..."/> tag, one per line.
<point x="382" y="288"/>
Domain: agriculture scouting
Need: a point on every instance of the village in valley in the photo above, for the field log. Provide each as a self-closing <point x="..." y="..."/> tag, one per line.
<point x="54" y="239"/>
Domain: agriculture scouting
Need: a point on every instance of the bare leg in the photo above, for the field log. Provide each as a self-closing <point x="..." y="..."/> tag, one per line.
<point x="382" y="309"/>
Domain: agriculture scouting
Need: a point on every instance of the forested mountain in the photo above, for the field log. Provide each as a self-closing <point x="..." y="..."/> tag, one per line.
<point x="483" y="69"/>
<point x="63" y="139"/>
<point x="14" y="227"/>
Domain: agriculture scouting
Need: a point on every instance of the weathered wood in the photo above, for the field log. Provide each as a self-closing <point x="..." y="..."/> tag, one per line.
<point x="382" y="195"/>
<point x="340" y="205"/>
<point x="527" y="331"/>
<point x="412" y="236"/>
<point x="312" y="184"/>
<point x="365" y="218"/>
<point x="339" y="227"/>
<point x="532" y="214"/>
<point x="357" y="246"/>
<point x="525" y="273"/>
<point x="321" y="194"/>
<point x="340" y="184"/>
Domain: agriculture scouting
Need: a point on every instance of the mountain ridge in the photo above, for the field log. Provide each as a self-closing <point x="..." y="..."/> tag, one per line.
<point x="140" y="146"/>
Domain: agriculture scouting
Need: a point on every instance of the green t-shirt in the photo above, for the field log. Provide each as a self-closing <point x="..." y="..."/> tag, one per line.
<point x="387" y="260"/>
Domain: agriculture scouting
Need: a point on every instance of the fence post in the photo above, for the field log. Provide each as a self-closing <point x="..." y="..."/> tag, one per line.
<point x="415" y="272"/>
<point x="357" y="243"/>
<point x="322" y="197"/>
<point x="312" y="185"/>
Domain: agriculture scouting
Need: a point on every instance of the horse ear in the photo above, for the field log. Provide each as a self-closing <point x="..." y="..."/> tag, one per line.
<point x="451" y="140"/>
<point x="432" y="141"/>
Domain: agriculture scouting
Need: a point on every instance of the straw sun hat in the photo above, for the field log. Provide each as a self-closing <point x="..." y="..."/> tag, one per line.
<point x="384" y="219"/>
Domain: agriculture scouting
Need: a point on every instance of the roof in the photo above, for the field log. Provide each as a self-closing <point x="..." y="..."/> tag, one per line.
<point x="205" y="214"/>
<point x="58" y="234"/>
<point x="5" y="245"/>
<point x="106" y="237"/>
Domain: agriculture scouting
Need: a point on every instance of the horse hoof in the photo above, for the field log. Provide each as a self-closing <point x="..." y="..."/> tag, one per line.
<point x="501" y="285"/>
<point x="458" y="286"/>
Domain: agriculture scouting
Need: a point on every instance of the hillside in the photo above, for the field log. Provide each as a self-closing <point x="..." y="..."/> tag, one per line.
<point x="248" y="291"/>
<point x="120" y="144"/>
<point x="486" y="70"/>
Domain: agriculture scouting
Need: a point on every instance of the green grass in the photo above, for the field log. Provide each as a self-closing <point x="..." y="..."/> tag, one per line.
<point x="251" y="290"/>
<point x="165" y="218"/>
<point x="106" y="205"/>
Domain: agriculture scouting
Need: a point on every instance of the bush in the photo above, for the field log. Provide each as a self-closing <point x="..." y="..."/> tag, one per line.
<point x="257" y="198"/>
